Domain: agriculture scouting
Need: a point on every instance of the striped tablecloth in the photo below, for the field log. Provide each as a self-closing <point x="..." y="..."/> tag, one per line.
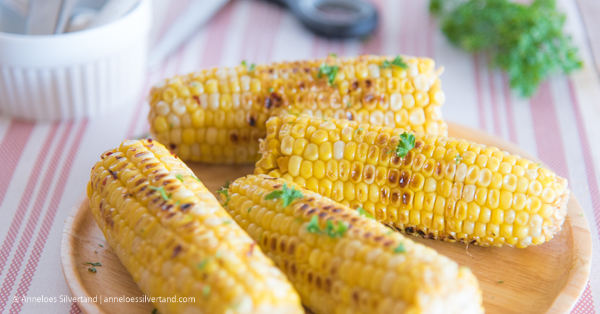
<point x="44" y="167"/>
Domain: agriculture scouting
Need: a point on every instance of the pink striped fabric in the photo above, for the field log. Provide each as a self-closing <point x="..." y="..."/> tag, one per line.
<point x="45" y="166"/>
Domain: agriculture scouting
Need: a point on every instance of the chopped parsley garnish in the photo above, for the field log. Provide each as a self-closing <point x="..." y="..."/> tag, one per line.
<point x="313" y="225"/>
<point x="348" y="104"/>
<point x="249" y="68"/>
<point x="226" y="222"/>
<point x="399" y="248"/>
<point x="162" y="192"/>
<point x="333" y="55"/>
<point x="286" y="194"/>
<point x="249" y="209"/>
<point x="206" y="291"/>
<point x="397" y="62"/>
<point x="94" y="264"/>
<point x="457" y="159"/>
<point x="389" y="232"/>
<point x="363" y="212"/>
<point x="271" y="90"/>
<point x="224" y="191"/>
<point x="336" y="231"/>
<point x="196" y="179"/>
<point x="359" y="130"/>
<point x="329" y="70"/>
<point x="92" y="269"/>
<point x="101" y="245"/>
<point x="501" y="281"/>
<point x="203" y="264"/>
<point x="407" y="142"/>
<point x="332" y="230"/>
<point x="179" y="177"/>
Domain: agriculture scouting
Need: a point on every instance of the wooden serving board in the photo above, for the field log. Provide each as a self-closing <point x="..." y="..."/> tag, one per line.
<point x="547" y="278"/>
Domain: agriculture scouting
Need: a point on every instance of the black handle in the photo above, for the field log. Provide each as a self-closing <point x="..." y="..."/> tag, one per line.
<point x="334" y="18"/>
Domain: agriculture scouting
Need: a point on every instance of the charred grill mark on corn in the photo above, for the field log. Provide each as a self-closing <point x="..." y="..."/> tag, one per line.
<point x="486" y="197"/>
<point x="218" y="115"/>
<point x="173" y="237"/>
<point x="342" y="262"/>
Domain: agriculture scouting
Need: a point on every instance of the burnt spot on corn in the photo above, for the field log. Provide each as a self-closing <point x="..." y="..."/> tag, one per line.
<point x="152" y="165"/>
<point x="336" y="210"/>
<point x="304" y="207"/>
<point x="273" y="244"/>
<point x="176" y="251"/>
<point x="318" y="282"/>
<point x="197" y="99"/>
<point x="406" y="198"/>
<point x="409" y="230"/>
<point x="327" y="285"/>
<point x="291" y="249"/>
<point x="328" y="206"/>
<point x="268" y="103"/>
<point x="233" y="137"/>
<point x="167" y="207"/>
<point x="293" y="269"/>
<point x="404" y="179"/>
<point x="282" y="245"/>
<point x="419" y="144"/>
<point x="161" y="176"/>
<point x="395" y="197"/>
<point x="186" y="207"/>
<point x="323" y="215"/>
<point x="349" y="115"/>
<point x="393" y="176"/>
<point x="311" y="211"/>
<point x="355" y="297"/>
<point x="439" y="168"/>
<point x="172" y="146"/>
<point x="252" y="120"/>
<point x="310" y="199"/>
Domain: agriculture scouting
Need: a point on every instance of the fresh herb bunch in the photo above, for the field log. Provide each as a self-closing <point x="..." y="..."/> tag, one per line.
<point x="527" y="41"/>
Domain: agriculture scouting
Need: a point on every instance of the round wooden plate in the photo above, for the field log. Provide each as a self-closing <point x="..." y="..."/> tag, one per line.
<point x="547" y="278"/>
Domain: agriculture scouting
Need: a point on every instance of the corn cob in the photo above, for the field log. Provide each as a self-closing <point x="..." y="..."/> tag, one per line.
<point x="176" y="240"/>
<point x="443" y="188"/>
<point x="342" y="262"/>
<point x="218" y="115"/>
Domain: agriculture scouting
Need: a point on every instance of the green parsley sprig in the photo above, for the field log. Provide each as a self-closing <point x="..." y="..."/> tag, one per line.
<point x="329" y="70"/>
<point x="249" y="68"/>
<point x="407" y="142"/>
<point x="286" y="194"/>
<point x="457" y="159"/>
<point x="332" y="230"/>
<point x="224" y="190"/>
<point x="525" y="40"/>
<point x="363" y="212"/>
<point x="161" y="190"/>
<point x="397" y="62"/>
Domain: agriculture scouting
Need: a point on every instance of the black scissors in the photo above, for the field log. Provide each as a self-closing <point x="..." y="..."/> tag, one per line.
<point x="334" y="18"/>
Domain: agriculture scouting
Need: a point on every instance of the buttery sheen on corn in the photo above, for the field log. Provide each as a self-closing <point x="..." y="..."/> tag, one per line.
<point x="218" y="115"/>
<point x="444" y="188"/>
<point x="362" y="268"/>
<point x="176" y="240"/>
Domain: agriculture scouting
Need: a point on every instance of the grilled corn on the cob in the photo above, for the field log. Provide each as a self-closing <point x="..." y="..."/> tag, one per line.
<point x="218" y="115"/>
<point x="341" y="262"/>
<point x="443" y="188"/>
<point x="176" y="240"/>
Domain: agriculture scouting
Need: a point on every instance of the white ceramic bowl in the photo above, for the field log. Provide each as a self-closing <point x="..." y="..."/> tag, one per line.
<point x="73" y="75"/>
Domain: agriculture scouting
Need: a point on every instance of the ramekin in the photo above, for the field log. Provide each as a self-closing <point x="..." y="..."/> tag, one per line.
<point x="74" y="75"/>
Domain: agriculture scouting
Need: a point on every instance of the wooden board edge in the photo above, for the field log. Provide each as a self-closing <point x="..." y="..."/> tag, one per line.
<point x="66" y="261"/>
<point x="582" y="246"/>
